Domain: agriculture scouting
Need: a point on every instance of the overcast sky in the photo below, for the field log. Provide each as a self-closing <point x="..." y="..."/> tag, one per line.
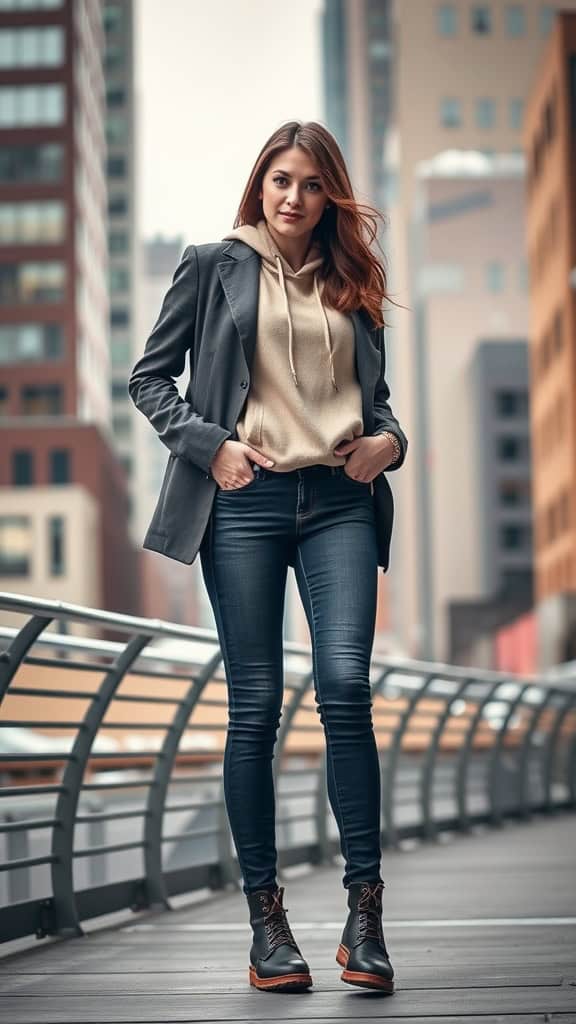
<point x="214" y="80"/>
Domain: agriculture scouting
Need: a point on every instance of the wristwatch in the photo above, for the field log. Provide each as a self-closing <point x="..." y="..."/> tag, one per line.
<point x="397" y="448"/>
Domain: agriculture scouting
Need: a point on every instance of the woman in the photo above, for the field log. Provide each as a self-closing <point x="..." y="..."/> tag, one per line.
<point x="277" y="457"/>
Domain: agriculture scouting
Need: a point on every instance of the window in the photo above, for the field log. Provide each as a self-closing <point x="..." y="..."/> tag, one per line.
<point x="121" y="425"/>
<point x="59" y="466"/>
<point x="23" y="105"/>
<point x="510" y="448"/>
<point x="514" y="536"/>
<point x="511" y="403"/>
<point x="558" y="331"/>
<point x="31" y="47"/>
<point x="481" y="20"/>
<point x="547" y="15"/>
<point x="114" y="58"/>
<point x="118" y="241"/>
<point x="121" y="352"/>
<point x="495" y="277"/>
<point x="119" y="389"/>
<point x="119" y="317"/>
<point x="40" y="163"/>
<point x="516" y="113"/>
<point x="116" y="167"/>
<point x="15" y="545"/>
<point x="119" y="279"/>
<point x="118" y="206"/>
<point x="514" y="493"/>
<point x="30" y="343"/>
<point x="112" y="16"/>
<point x="32" y="223"/>
<point x="116" y="129"/>
<point x="41" y="400"/>
<point x="56" y="545"/>
<point x="485" y="113"/>
<point x="116" y="96"/>
<point x="515" y="20"/>
<point x="450" y="112"/>
<point x="447" y="20"/>
<point x="27" y="283"/>
<point x="30" y="5"/>
<point x="22" y="468"/>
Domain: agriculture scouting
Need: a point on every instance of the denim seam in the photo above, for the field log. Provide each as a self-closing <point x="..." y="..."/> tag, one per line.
<point x="225" y="657"/>
<point x="317" y="677"/>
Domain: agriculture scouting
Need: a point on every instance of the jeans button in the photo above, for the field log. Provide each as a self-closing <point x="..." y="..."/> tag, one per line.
<point x="243" y="384"/>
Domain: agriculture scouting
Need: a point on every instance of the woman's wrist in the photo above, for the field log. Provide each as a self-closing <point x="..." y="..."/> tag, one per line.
<point x="396" y="446"/>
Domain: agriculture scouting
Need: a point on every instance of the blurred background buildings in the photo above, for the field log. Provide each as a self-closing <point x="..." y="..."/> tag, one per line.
<point x="458" y="120"/>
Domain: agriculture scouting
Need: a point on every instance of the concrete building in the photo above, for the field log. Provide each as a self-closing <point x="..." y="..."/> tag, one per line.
<point x="550" y="141"/>
<point x="461" y="76"/>
<point x="470" y="373"/>
<point x="357" y="51"/>
<point x="123" y="248"/>
<point x="54" y="356"/>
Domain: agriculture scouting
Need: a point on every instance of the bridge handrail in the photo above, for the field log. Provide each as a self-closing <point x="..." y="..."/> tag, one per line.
<point x="458" y="747"/>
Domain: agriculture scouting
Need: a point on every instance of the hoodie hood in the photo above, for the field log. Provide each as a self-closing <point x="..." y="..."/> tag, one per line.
<point x="259" y="238"/>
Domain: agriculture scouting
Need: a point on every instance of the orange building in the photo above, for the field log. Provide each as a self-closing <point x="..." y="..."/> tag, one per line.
<point x="550" y="144"/>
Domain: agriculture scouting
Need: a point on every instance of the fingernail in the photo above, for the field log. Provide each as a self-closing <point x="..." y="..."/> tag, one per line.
<point x="269" y="462"/>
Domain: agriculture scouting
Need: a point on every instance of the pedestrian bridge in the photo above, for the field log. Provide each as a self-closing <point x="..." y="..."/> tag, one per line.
<point x="112" y="731"/>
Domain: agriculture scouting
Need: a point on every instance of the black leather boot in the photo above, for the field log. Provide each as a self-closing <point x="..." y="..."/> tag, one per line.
<point x="362" y="952"/>
<point x="275" y="960"/>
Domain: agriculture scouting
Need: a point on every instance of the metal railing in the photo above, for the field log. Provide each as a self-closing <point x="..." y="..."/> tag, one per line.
<point x="112" y="731"/>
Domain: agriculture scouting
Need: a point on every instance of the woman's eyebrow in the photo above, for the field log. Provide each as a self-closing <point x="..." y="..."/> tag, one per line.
<point x="311" y="177"/>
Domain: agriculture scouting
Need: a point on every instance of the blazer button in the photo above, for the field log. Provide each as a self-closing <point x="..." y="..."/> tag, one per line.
<point x="243" y="384"/>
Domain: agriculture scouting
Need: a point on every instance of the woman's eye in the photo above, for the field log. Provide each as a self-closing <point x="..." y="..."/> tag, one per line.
<point x="279" y="180"/>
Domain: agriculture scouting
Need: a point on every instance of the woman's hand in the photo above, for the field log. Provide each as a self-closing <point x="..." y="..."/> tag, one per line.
<point x="367" y="456"/>
<point x="231" y="467"/>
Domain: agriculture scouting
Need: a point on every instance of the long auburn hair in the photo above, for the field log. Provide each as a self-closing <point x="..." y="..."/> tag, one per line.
<point x="354" y="278"/>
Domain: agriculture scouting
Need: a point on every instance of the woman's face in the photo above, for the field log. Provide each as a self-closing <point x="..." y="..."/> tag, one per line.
<point x="292" y="186"/>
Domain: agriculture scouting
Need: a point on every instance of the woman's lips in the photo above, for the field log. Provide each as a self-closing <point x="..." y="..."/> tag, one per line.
<point x="291" y="216"/>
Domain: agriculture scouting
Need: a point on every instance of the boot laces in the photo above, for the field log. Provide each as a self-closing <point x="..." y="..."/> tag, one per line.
<point x="370" y="911"/>
<point x="276" y="924"/>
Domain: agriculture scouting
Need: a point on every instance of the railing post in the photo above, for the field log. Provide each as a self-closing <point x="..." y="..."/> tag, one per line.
<point x="550" y="757"/>
<point x="155" y="884"/>
<point x="394" y="754"/>
<point x="14" y="655"/>
<point x="429" y="764"/>
<point x="524" y="770"/>
<point x="494" y="770"/>
<point x="465" y="755"/>
<point x="65" y="911"/>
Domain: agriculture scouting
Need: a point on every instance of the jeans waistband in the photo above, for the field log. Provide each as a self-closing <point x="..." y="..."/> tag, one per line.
<point x="314" y="472"/>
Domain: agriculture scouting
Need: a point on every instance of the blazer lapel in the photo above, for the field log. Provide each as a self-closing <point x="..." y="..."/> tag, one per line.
<point x="240" y="279"/>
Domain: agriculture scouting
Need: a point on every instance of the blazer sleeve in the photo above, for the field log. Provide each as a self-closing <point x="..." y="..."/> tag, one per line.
<point x="384" y="418"/>
<point x="151" y="383"/>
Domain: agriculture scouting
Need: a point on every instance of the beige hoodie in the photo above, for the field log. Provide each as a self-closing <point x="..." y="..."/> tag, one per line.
<point x="304" y="395"/>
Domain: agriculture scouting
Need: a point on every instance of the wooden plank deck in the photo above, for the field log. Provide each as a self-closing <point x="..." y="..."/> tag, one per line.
<point x="480" y="929"/>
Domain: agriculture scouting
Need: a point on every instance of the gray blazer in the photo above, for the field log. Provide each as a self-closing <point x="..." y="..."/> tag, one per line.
<point x="209" y="315"/>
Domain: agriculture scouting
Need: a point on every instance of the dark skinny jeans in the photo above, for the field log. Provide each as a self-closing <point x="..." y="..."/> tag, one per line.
<point x="320" y="521"/>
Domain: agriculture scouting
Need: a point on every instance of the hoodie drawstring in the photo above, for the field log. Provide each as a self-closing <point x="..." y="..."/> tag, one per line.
<point x="325" y="325"/>
<point x="289" y="318"/>
<point x="326" y="328"/>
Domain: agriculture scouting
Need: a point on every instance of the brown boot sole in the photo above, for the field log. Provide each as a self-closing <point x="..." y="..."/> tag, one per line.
<point x="361" y="978"/>
<point x="290" y="982"/>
